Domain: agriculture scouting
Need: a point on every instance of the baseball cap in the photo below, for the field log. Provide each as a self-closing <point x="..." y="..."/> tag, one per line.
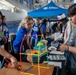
<point x="61" y="17"/>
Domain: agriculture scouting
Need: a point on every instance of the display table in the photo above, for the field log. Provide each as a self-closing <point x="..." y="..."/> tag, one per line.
<point x="33" y="70"/>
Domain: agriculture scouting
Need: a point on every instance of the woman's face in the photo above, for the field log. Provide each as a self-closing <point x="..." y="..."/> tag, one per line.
<point x="29" y="25"/>
<point x="37" y="22"/>
<point x="41" y="20"/>
<point x="73" y="19"/>
<point x="0" y="19"/>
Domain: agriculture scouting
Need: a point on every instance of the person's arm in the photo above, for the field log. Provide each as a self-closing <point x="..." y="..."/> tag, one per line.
<point x="58" y="38"/>
<point x="9" y="56"/>
<point x="70" y="48"/>
<point x="67" y="32"/>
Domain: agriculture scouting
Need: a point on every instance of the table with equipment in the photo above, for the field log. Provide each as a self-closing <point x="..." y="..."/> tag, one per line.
<point x="31" y="71"/>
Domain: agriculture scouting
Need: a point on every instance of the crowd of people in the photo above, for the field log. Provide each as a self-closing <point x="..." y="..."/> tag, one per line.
<point x="33" y="30"/>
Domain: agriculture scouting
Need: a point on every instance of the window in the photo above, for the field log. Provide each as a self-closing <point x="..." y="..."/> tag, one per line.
<point x="57" y="0"/>
<point x="71" y="0"/>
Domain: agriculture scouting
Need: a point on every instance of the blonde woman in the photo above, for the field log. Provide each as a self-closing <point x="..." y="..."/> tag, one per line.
<point x="23" y="29"/>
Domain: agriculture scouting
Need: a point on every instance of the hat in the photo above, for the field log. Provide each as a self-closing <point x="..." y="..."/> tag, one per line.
<point x="61" y="17"/>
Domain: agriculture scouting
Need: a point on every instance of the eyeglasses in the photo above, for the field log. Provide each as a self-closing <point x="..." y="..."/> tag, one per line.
<point x="30" y="23"/>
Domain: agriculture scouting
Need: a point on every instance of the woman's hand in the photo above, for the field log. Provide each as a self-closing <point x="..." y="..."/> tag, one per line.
<point x="29" y="35"/>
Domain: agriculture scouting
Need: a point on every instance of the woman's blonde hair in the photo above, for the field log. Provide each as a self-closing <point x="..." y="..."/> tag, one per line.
<point x="25" y="20"/>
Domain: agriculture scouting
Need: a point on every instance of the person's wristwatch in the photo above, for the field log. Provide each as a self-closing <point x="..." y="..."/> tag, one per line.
<point x="67" y="48"/>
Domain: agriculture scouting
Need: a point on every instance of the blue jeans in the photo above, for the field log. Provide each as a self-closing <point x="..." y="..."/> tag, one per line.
<point x="33" y="41"/>
<point x="16" y="51"/>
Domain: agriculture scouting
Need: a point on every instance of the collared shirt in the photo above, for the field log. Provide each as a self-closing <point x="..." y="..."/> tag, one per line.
<point x="72" y="42"/>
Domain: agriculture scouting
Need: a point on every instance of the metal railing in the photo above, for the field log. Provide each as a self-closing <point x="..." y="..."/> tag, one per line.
<point x="27" y="3"/>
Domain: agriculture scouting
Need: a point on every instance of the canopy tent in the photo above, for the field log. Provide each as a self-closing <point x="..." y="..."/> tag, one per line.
<point x="49" y="10"/>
